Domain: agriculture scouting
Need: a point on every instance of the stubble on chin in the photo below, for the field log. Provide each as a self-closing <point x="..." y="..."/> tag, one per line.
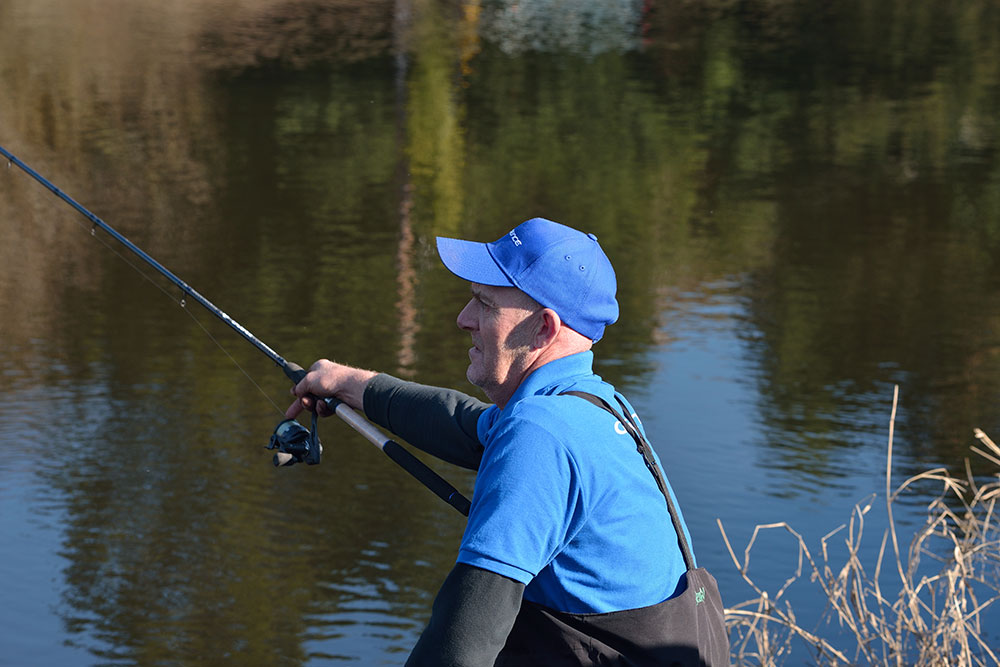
<point x="475" y="378"/>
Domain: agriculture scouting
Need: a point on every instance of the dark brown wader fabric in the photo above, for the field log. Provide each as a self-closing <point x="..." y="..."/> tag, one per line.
<point x="685" y="630"/>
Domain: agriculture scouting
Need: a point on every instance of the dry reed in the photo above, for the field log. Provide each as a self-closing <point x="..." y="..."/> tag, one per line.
<point x="935" y="617"/>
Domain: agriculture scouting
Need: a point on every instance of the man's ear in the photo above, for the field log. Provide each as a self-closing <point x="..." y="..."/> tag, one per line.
<point x="549" y="325"/>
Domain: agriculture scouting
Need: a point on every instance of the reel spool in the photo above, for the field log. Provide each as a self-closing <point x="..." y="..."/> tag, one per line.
<point x="295" y="443"/>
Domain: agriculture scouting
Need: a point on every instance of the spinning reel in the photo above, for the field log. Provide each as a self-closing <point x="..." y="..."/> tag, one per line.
<point x="295" y="443"/>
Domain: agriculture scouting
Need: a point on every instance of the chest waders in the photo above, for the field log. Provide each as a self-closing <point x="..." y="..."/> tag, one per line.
<point x="688" y="629"/>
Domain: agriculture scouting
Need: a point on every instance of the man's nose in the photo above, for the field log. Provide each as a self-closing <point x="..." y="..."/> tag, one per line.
<point x="466" y="321"/>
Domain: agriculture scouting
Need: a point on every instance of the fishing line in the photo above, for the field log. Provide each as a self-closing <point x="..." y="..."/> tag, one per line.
<point x="295" y="443"/>
<point x="183" y="304"/>
<point x="180" y="302"/>
<point x="232" y="359"/>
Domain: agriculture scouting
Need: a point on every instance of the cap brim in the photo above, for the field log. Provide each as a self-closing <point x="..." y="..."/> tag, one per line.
<point x="471" y="261"/>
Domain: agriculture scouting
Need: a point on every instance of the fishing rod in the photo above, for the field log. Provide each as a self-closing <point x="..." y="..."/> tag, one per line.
<point x="294" y="443"/>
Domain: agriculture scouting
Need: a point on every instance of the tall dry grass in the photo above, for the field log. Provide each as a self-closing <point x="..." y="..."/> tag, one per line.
<point x="923" y="605"/>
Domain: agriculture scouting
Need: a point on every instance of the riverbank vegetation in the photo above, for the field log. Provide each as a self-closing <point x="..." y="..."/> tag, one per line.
<point x="925" y="604"/>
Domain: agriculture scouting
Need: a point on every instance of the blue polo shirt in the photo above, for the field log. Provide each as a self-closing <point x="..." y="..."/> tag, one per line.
<point x="563" y="502"/>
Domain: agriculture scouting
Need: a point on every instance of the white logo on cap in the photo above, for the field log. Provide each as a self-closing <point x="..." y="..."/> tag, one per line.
<point x="514" y="238"/>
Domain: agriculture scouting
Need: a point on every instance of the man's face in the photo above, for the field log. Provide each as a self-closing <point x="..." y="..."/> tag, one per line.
<point x="499" y="319"/>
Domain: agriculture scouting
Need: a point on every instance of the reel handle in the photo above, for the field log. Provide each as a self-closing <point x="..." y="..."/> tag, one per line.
<point x="283" y="459"/>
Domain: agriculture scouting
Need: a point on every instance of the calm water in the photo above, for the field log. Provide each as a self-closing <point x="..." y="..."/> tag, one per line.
<point x="802" y="200"/>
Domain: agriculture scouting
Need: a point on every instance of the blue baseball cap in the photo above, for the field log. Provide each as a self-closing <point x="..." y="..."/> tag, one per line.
<point x="558" y="266"/>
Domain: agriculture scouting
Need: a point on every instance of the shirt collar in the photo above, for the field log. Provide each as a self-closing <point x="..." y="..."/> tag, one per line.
<point x="543" y="380"/>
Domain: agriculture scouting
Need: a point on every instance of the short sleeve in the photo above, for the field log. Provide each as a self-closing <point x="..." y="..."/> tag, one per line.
<point x="526" y="502"/>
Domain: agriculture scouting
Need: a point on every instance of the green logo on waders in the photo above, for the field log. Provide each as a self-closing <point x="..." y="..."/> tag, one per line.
<point x="699" y="595"/>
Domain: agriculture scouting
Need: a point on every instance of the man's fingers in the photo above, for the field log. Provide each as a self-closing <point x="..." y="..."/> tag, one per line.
<point x="302" y="387"/>
<point x="297" y="406"/>
<point x="315" y="381"/>
<point x="318" y="382"/>
<point x="294" y="409"/>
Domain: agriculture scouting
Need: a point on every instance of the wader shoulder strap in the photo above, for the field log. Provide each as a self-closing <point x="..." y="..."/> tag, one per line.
<point x="643" y="447"/>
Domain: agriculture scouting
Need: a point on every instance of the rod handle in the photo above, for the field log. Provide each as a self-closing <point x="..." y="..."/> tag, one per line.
<point x="426" y="476"/>
<point x="293" y="371"/>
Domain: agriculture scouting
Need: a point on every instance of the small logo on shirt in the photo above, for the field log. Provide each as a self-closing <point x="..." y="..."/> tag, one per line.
<point x="699" y="595"/>
<point x="513" y="237"/>
<point x="620" y="428"/>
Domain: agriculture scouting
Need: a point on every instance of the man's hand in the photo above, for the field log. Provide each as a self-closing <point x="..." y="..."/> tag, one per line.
<point x="327" y="378"/>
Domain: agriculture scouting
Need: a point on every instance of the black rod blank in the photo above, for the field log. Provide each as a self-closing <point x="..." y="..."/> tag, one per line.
<point x="294" y="372"/>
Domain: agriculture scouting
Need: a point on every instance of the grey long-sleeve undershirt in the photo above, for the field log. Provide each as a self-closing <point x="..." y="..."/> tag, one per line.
<point x="441" y="422"/>
<point x="475" y="608"/>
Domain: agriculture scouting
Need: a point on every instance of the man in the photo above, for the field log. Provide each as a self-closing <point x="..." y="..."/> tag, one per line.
<point x="570" y="551"/>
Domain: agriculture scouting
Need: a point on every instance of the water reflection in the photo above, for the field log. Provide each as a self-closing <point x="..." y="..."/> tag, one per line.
<point x="802" y="204"/>
<point x="554" y="26"/>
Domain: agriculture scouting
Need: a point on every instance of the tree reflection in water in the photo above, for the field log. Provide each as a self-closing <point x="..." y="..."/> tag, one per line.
<point x="815" y="189"/>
